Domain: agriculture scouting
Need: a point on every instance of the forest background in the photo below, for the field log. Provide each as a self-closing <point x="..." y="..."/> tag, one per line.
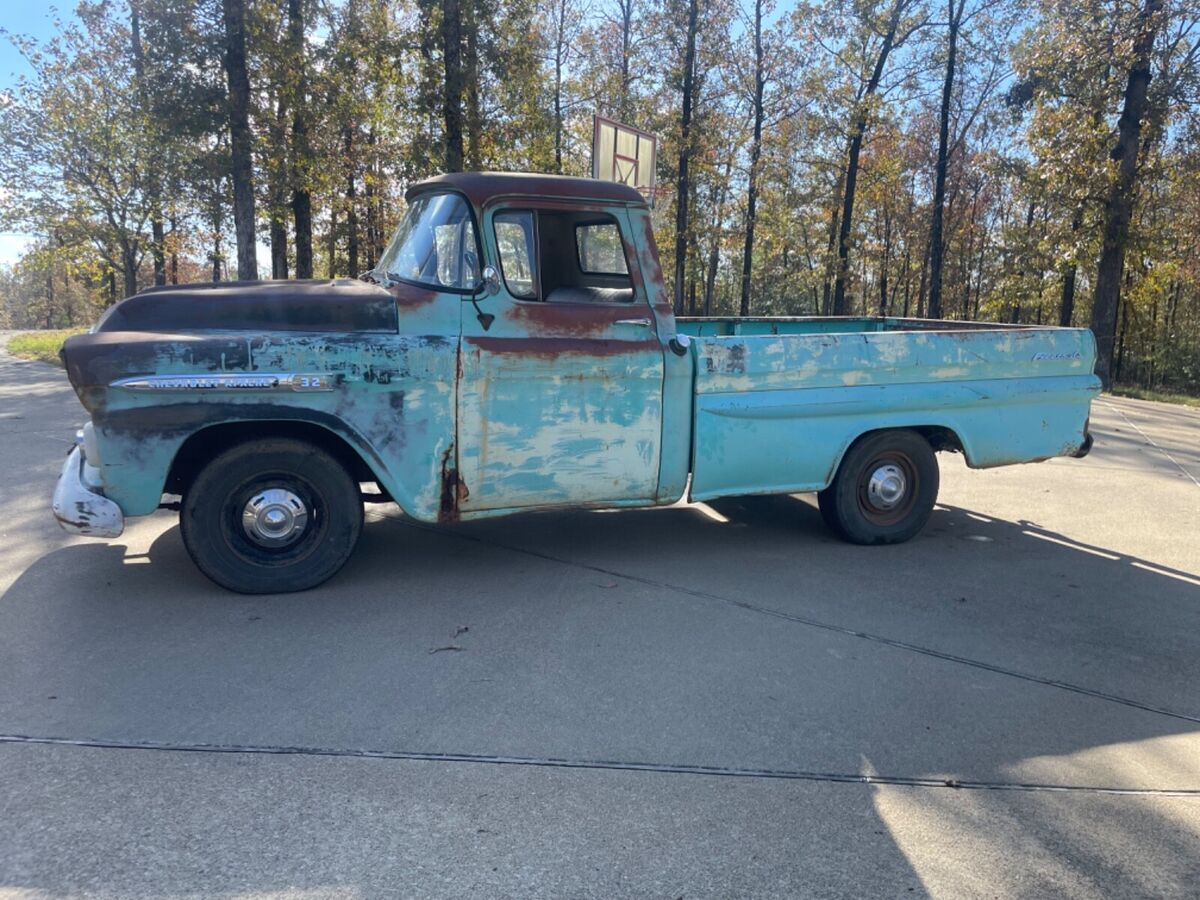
<point x="1032" y="161"/>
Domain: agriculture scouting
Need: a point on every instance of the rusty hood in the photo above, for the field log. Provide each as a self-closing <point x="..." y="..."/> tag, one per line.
<point x="339" y="305"/>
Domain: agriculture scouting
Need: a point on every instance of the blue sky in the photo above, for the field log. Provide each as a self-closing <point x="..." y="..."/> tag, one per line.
<point x="34" y="19"/>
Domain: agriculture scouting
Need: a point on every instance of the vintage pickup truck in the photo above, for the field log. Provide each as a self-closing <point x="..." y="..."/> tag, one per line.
<point x="515" y="349"/>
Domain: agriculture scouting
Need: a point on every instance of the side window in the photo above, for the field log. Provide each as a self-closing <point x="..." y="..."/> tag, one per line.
<point x="516" y="240"/>
<point x="600" y="249"/>
<point x="456" y="262"/>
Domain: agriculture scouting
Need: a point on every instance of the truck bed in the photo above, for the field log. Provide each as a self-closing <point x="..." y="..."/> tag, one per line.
<point x="777" y="401"/>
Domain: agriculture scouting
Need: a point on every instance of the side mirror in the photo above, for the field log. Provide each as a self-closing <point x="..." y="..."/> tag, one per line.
<point x="489" y="284"/>
<point x="491" y="281"/>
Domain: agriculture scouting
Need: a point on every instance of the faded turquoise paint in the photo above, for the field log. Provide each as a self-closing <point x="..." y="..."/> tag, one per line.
<point x="393" y="401"/>
<point x="776" y="412"/>
<point x="676" y="450"/>
<point x="559" y="403"/>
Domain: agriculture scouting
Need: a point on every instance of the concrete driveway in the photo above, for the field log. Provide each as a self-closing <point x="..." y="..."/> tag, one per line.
<point x="707" y="701"/>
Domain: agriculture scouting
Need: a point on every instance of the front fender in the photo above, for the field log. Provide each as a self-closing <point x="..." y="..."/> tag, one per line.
<point x="138" y="448"/>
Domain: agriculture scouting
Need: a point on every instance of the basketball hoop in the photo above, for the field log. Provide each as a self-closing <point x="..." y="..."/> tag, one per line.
<point x="625" y="155"/>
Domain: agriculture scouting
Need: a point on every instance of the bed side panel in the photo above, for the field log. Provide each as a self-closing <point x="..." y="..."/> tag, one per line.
<point x="776" y="413"/>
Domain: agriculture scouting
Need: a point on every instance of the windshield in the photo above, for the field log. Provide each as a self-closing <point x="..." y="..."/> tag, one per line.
<point x="435" y="244"/>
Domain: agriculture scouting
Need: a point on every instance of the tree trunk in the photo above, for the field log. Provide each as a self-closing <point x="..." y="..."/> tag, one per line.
<point x="685" y="154"/>
<point x="332" y="248"/>
<point x="50" y="296"/>
<point x="1149" y="382"/>
<point x="979" y="276"/>
<point x="277" y="182"/>
<point x="373" y="239"/>
<point x="936" y="241"/>
<point x="831" y="247"/>
<point x="885" y="261"/>
<point x="174" y="256"/>
<point x="1066" y="308"/>
<point x="853" y="152"/>
<point x="452" y="94"/>
<point x="1016" y="310"/>
<point x="755" y="156"/>
<point x="301" y="152"/>
<point x="351" y="207"/>
<point x="1120" y="360"/>
<point x="559" y="52"/>
<point x="241" y="162"/>
<point x="471" y="87"/>
<point x="153" y="182"/>
<point x="624" y="102"/>
<point x="714" y="250"/>
<point x="1066" y="305"/>
<point x="1119" y="207"/>
<point x="129" y="266"/>
<point x="923" y="281"/>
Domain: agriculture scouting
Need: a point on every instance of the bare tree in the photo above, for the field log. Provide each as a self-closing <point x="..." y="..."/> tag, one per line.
<point x="892" y="38"/>
<point x="241" y="170"/>
<point x="1118" y="210"/>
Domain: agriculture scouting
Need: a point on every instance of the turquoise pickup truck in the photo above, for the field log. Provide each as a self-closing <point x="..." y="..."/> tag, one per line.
<point x="515" y="349"/>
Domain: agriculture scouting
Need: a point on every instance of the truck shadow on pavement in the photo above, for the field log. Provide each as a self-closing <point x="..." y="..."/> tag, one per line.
<point x="738" y="637"/>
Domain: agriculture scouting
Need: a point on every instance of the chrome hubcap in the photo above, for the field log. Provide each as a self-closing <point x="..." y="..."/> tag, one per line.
<point x="274" y="518"/>
<point x="887" y="486"/>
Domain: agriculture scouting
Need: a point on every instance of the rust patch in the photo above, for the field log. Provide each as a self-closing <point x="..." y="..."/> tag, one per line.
<point x="315" y="305"/>
<point x="552" y="348"/>
<point x="409" y="295"/>
<point x="656" y="288"/>
<point x="454" y="489"/>
<point x="572" y="319"/>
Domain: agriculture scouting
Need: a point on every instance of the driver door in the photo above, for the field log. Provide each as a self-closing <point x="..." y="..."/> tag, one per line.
<point x="560" y="399"/>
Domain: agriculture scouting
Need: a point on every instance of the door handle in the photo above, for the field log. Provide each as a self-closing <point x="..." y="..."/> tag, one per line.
<point x="640" y="323"/>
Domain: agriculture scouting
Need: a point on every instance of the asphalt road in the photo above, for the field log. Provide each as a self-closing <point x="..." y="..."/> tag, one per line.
<point x="707" y="701"/>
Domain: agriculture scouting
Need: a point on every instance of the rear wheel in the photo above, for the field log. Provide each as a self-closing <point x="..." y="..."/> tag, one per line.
<point x="884" y="490"/>
<point x="271" y="516"/>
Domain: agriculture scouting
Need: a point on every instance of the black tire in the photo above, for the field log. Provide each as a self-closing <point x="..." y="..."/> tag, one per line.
<point x="319" y="534"/>
<point x="856" y="512"/>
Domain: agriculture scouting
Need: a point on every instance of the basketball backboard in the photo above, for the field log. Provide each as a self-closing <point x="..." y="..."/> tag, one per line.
<point x="624" y="154"/>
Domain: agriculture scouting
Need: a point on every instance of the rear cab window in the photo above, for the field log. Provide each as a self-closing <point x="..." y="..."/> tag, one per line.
<point x="599" y="249"/>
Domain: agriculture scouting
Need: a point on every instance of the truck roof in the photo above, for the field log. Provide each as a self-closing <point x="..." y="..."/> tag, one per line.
<point x="480" y="187"/>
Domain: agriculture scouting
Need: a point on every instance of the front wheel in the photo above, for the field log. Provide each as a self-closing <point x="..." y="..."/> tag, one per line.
<point x="271" y="516"/>
<point x="884" y="490"/>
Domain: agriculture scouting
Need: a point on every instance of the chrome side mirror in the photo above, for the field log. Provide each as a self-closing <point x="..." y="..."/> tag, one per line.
<point x="489" y="284"/>
<point x="491" y="280"/>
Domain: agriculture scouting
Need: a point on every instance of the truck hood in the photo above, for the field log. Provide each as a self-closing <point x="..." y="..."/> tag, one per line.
<point x="341" y="305"/>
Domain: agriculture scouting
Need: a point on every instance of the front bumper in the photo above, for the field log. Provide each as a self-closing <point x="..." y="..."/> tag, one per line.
<point x="80" y="509"/>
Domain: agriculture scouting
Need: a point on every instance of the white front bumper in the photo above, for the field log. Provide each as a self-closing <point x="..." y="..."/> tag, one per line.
<point x="81" y="510"/>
